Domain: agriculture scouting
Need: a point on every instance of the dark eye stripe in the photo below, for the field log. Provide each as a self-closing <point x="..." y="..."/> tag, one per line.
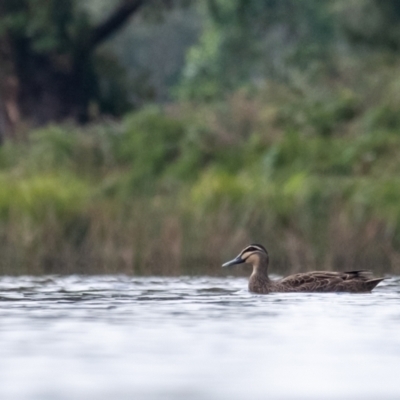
<point x="258" y="247"/>
<point x="252" y="249"/>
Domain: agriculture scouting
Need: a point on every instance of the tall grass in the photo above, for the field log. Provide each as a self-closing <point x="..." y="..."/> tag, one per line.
<point x="178" y="190"/>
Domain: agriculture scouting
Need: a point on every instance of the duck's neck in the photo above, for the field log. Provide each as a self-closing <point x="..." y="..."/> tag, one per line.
<point x="259" y="281"/>
<point x="260" y="266"/>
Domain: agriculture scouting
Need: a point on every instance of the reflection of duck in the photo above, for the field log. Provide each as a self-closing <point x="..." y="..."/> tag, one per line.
<point x="318" y="281"/>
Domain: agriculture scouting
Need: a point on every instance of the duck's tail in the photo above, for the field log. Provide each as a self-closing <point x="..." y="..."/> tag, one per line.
<point x="372" y="283"/>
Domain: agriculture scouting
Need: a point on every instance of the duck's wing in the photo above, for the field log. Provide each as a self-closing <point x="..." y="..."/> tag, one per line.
<point x="326" y="281"/>
<point x="310" y="281"/>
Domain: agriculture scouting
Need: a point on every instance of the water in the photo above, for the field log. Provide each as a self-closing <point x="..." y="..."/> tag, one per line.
<point x="194" y="338"/>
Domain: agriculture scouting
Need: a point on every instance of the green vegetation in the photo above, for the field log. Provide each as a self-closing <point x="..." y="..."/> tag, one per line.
<point x="280" y="126"/>
<point x="177" y="190"/>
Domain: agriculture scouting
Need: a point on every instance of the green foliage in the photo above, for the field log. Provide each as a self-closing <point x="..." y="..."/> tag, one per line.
<point x="86" y="152"/>
<point x="110" y="194"/>
<point x="285" y="135"/>
<point x="247" y="41"/>
<point x="39" y="195"/>
<point x="53" y="25"/>
<point x="150" y="145"/>
<point x="372" y="22"/>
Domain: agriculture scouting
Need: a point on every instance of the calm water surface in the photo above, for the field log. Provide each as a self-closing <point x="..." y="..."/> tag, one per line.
<point x="123" y="338"/>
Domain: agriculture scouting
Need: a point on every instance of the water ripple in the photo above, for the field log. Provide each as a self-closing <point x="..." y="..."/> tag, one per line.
<point x="123" y="337"/>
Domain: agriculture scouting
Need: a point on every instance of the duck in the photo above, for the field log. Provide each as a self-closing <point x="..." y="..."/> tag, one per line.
<point x="360" y="281"/>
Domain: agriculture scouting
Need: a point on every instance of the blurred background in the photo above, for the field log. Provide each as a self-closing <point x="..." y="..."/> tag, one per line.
<point x="158" y="137"/>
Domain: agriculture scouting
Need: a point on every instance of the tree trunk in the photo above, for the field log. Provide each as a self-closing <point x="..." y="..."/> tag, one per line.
<point x="9" y="109"/>
<point x="53" y="87"/>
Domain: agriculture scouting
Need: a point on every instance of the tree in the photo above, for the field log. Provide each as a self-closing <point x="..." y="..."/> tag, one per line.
<point x="374" y="23"/>
<point x="49" y="68"/>
<point x="249" y="40"/>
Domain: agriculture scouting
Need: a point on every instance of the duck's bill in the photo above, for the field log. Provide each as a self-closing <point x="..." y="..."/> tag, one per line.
<point x="235" y="261"/>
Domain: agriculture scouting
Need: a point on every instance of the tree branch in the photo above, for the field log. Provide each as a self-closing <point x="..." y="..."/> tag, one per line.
<point x="114" y="22"/>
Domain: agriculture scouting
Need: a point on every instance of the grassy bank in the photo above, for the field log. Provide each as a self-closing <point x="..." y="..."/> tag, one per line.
<point x="178" y="190"/>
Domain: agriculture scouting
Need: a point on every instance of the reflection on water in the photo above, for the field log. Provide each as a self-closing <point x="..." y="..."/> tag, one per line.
<point x="194" y="338"/>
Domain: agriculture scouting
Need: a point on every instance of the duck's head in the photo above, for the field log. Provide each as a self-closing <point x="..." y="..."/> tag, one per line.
<point x="254" y="254"/>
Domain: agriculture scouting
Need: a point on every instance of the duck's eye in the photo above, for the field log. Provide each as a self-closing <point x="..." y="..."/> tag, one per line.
<point x="251" y="249"/>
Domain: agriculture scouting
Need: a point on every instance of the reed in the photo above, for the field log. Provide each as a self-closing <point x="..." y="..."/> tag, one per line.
<point x="178" y="190"/>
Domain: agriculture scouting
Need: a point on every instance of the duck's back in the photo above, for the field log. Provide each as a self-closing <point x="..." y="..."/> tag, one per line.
<point x="321" y="281"/>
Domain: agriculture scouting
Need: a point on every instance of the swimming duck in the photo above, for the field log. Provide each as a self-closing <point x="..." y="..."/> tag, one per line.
<point x="318" y="281"/>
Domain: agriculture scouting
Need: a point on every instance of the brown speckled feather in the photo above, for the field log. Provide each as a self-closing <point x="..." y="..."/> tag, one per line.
<point x="352" y="281"/>
<point x="360" y="281"/>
